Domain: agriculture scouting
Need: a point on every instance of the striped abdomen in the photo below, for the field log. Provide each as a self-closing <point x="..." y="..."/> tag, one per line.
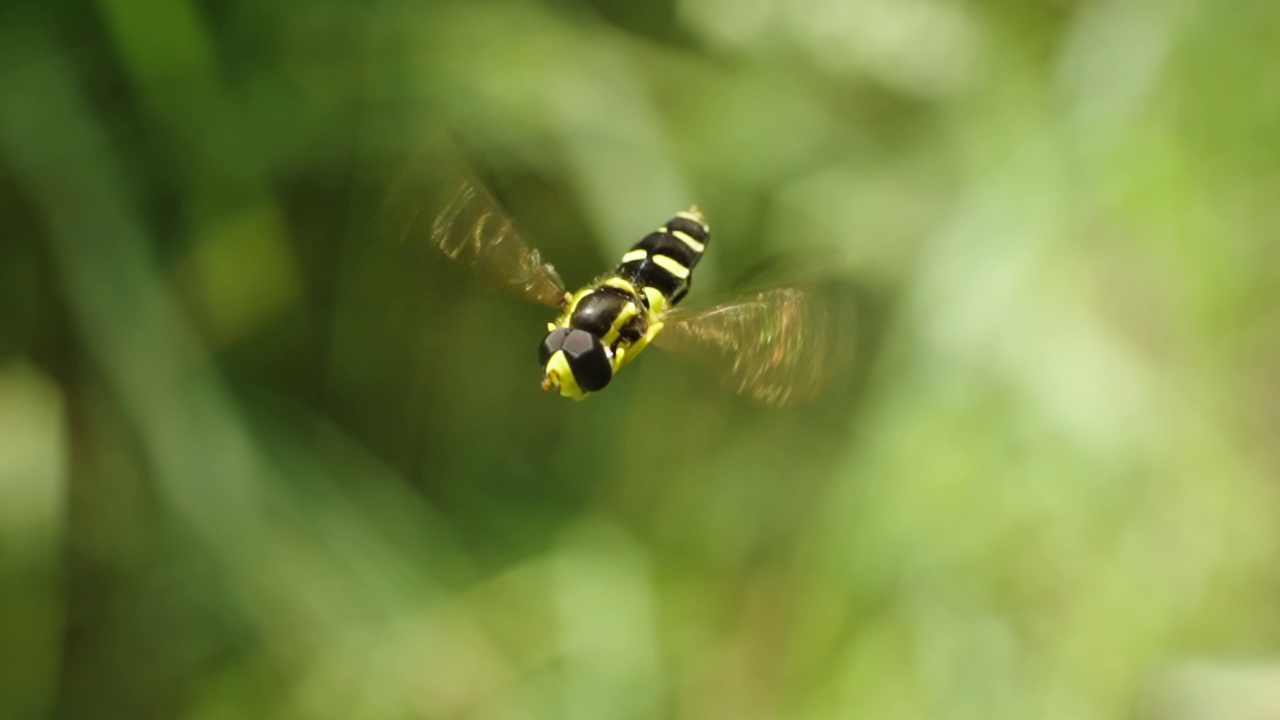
<point x="664" y="260"/>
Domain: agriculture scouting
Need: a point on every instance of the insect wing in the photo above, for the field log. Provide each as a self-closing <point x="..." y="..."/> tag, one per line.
<point x="780" y="346"/>
<point x="473" y="229"/>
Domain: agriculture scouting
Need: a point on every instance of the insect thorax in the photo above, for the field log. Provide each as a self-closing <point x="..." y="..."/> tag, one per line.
<point x="616" y="312"/>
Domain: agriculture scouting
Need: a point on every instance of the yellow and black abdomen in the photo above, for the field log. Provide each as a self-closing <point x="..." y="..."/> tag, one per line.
<point x="664" y="260"/>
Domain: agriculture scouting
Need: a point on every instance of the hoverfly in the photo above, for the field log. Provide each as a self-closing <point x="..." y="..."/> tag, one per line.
<point x="778" y="345"/>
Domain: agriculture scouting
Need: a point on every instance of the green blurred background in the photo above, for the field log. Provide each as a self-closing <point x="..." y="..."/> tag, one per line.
<point x="261" y="458"/>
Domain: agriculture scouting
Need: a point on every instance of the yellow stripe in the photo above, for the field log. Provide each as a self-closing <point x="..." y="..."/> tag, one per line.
<point x="693" y="214"/>
<point x="634" y="255"/>
<point x="671" y="266"/>
<point x="628" y="311"/>
<point x="563" y="320"/>
<point x="657" y="301"/>
<point x="687" y="240"/>
<point x="621" y="284"/>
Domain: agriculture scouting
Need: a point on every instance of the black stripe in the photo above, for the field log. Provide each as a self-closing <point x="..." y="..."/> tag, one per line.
<point x="664" y="243"/>
<point x="690" y="228"/>
<point x="647" y="273"/>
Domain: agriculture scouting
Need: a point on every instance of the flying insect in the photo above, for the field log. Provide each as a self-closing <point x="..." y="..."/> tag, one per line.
<point x="778" y="345"/>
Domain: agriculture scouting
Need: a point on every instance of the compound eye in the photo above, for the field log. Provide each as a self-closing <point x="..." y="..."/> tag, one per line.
<point x="550" y="344"/>
<point x="588" y="360"/>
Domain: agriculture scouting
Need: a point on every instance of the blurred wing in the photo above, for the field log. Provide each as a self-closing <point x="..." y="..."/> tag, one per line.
<point x="780" y="346"/>
<point x="797" y="266"/>
<point x="474" y="230"/>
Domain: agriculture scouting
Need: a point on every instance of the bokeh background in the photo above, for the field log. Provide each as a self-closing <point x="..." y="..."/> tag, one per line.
<point x="261" y="457"/>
